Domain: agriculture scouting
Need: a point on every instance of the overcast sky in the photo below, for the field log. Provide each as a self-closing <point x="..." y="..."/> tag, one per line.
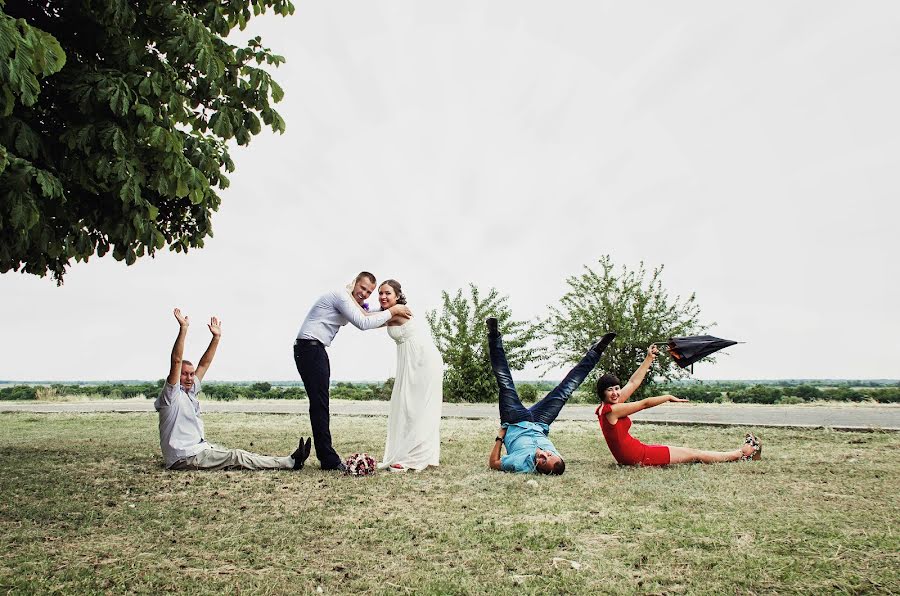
<point x="751" y="148"/>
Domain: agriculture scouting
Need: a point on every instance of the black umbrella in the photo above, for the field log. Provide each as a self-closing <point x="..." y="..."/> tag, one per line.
<point x="688" y="350"/>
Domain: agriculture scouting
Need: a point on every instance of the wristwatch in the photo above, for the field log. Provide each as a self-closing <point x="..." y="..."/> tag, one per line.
<point x="498" y="439"/>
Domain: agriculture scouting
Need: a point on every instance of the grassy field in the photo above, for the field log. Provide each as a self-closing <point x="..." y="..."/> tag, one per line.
<point x="85" y="506"/>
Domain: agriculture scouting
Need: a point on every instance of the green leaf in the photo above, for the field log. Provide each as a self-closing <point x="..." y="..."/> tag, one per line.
<point x="181" y="188"/>
<point x="277" y="91"/>
<point x="143" y="112"/>
<point x="50" y="184"/>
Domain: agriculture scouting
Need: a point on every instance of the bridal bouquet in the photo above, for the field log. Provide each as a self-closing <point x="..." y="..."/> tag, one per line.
<point x="360" y="464"/>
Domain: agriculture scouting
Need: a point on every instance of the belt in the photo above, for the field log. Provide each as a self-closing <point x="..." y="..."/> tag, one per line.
<point x="308" y="342"/>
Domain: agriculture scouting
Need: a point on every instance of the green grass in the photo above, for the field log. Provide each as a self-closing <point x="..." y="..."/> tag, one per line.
<point x="85" y="506"/>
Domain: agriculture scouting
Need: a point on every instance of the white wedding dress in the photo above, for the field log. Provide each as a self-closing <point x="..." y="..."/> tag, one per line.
<point x="414" y="419"/>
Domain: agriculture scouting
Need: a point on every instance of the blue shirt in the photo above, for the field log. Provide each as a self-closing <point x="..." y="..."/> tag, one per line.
<point x="522" y="439"/>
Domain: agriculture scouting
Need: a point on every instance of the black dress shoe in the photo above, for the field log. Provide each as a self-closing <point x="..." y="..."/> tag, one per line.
<point x="301" y="454"/>
<point x="604" y="342"/>
<point x="493" y="328"/>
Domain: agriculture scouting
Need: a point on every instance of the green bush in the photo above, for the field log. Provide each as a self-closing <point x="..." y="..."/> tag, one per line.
<point x="790" y="400"/>
<point x="528" y="392"/>
<point x="18" y="392"/>
<point x="804" y="392"/>
<point x="890" y="395"/>
<point x="844" y="394"/>
<point x="696" y="393"/>
<point x="757" y="394"/>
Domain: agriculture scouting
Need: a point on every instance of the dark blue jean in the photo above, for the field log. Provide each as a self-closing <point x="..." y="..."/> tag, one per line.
<point x="546" y="410"/>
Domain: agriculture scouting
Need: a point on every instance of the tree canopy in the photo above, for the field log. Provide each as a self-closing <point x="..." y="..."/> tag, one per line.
<point x="632" y="303"/>
<point x="115" y="118"/>
<point x="460" y="334"/>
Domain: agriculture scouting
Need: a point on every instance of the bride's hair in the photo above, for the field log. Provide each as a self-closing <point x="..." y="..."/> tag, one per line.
<point x="395" y="285"/>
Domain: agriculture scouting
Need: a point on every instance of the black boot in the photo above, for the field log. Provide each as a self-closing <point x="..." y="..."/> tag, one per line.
<point x="302" y="453"/>
<point x="493" y="328"/>
<point x="604" y="342"/>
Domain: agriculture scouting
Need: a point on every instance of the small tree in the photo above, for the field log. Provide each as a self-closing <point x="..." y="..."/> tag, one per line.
<point x="631" y="303"/>
<point x="461" y="336"/>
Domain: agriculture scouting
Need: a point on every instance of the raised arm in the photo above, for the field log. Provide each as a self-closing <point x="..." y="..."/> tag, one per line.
<point x="494" y="457"/>
<point x="178" y="348"/>
<point x="617" y="411"/>
<point x="215" y="327"/>
<point x="638" y="377"/>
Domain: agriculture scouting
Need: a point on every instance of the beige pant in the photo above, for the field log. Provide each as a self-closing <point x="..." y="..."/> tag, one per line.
<point x="219" y="458"/>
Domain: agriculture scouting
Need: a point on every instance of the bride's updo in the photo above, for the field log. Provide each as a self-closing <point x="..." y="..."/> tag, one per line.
<point x="395" y="285"/>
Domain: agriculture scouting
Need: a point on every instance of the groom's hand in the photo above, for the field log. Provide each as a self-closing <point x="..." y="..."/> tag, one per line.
<point x="401" y="310"/>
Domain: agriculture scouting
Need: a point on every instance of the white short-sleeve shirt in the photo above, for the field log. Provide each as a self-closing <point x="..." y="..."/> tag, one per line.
<point x="181" y="433"/>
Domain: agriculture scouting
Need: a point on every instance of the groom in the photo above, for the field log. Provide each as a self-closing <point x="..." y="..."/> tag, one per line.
<point x="329" y="313"/>
<point x="524" y="431"/>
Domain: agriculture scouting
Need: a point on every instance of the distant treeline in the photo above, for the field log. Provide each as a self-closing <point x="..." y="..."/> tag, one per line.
<point x="743" y="393"/>
<point x="707" y="392"/>
<point x="217" y="391"/>
<point x="795" y="394"/>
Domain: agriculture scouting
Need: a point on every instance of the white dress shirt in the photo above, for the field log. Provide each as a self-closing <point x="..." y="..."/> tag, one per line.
<point x="334" y="310"/>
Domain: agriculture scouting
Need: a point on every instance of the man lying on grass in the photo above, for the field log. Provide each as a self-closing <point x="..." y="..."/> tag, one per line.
<point x="181" y="437"/>
<point x="524" y="430"/>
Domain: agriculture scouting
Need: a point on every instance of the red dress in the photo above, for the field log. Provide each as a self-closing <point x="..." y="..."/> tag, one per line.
<point x="626" y="449"/>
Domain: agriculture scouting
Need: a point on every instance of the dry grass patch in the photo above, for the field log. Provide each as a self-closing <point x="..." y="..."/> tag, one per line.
<point x="87" y="507"/>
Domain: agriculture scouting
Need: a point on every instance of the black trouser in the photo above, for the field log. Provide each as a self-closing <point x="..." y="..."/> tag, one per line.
<point x="315" y="370"/>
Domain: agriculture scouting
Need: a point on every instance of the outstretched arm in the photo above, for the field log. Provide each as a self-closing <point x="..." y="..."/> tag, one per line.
<point x="494" y="457"/>
<point x="178" y="348"/>
<point x="215" y="327"/>
<point x="360" y="319"/>
<point x="401" y="317"/>
<point x="621" y="410"/>
<point x="638" y="377"/>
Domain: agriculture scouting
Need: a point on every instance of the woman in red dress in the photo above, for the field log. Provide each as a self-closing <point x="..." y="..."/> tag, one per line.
<point x="614" y="413"/>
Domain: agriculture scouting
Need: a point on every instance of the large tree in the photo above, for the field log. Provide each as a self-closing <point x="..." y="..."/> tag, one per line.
<point x="114" y="122"/>
<point x="461" y="336"/>
<point x="635" y="305"/>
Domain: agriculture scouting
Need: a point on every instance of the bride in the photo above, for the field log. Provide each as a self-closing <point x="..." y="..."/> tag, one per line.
<point x="414" y="420"/>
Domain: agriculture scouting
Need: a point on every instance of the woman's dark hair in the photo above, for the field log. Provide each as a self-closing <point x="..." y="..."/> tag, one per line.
<point x="395" y="285"/>
<point x="605" y="382"/>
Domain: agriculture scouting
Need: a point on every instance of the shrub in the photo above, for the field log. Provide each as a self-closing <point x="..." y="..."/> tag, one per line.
<point x="697" y="394"/>
<point x="804" y="392"/>
<point x="790" y="400"/>
<point x="528" y="392"/>
<point x="757" y="394"/>
<point x="18" y="392"/>
<point x="844" y="394"/>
